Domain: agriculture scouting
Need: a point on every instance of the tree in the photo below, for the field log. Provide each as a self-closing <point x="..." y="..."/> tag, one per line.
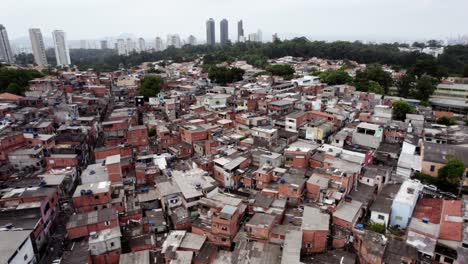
<point x="405" y="85"/>
<point x="150" y="86"/>
<point x="332" y="77"/>
<point x="152" y="132"/>
<point x="433" y="43"/>
<point x="374" y="87"/>
<point x="377" y="227"/>
<point x="400" y="109"/>
<point x="448" y="121"/>
<point x="15" y="78"/>
<point x="280" y="70"/>
<point x="419" y="45"/>
<point x="373" y="72"/>
<point x="14" y="89"/>
<point x="224" y="75"/>
<point x="425" y="87"/>
<point x="453" y="171"/>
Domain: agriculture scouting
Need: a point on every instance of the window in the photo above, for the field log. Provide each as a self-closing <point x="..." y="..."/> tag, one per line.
<point x="308" y="245"/>
<point x="368" y="180"/>
<point x="106" y="223"/>
<point x="112" y="244"/>
<point x="25" y="257"/>
<point x="432" y="168"/>
<point x="224" y="228"/>
<point x="223" y="239"/>
<point x="96" y="197"/>
<point x="294" y="189"/>
<point x="381" y="217"/>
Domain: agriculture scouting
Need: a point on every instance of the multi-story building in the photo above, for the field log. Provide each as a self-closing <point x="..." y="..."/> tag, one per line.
<point x="210" y="32"/>
<point x="158" y="44"/>
<point x="141" y="44"/>
<point x="219" y="218"/>
<point x="450" y="97"/>
<point x="38" y="46"/>
<point x="104" y="44"/>
<point x="192" y="40"/>
<point x="224" y="31"/>
<point x="240" y="31"/>
<point x="121" y="47"/>
<point x="5" y="49"/>
<point x="62" y="53"/>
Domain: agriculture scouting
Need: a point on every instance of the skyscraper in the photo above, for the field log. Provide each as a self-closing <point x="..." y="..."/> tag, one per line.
<point x="158" y="44"/>
<point x="104" y="44"/>
<point x="192" y="40"/>
<point x="5" y="49"/>
<point x="121" y="47"/>
<point x="141" y="44"/>
<point x="240" y="31"/>
<point x="224" y="30"/>
<point x="210" y="32"/>
<point x="131" y="46"/>
<point x="62" y="54"/>
<point x="38" y="47"/>
<point x="259" y="36"/>
<point x="173" y="40"/>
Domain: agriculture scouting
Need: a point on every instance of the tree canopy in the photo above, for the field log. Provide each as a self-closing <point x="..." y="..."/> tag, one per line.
<point x="400" y="109"/>
<point x="281" y="70"/>
<point x="453" y="171"/>
<point x="150" y="86"/>
<point x="444" y="120"/>
<point x="16" y="80"/>
<point x="332" y="77"/>
<point x="453" y="59"/>
<point x="425" y="86"/>
<point x="375" y="73"/>
<point x="224" y="75"/>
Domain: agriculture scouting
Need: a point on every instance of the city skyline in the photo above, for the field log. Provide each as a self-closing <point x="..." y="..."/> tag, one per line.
<point x="331" y="19"/>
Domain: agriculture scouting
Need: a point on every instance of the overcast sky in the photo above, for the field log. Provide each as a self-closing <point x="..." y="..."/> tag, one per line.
<point x="316" y="19"/>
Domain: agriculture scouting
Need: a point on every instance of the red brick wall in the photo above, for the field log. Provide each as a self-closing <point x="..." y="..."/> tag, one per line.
<point x="91" y="200"/>
<point x="60" y="162"/>
<point x="318" y="240"/>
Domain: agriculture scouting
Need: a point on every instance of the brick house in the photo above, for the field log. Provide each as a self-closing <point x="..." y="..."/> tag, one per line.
<point x="92" y="196"/>
<point x="315" y="230"/>
<point x="219" y="218"/>
<point x="259" y="226"/>
<point x="81" y="225"/>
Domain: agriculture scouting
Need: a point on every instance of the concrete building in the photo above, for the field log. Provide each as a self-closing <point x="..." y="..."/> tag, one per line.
<point x="121" y="47"/>
<point x="16" y="247"/>
<point x="131" y="46"/>
<point x="368" y="135"/>
<point x="192" y="40"/>
<point x="38" y="46"/>
<point x="224" y="32"/>
<point x="240" y="31"/>
<point x="5" y="49"/>
<point x="404" y="203"/>
<point x="104" y="44"/>
<point x="210" y="32"/>
<point x="158" y="44"/>
<point x="141" y="45"/>
<point x="450" y="97"/>
<point x="174" y="41"/>
<point x="62" y="54"/>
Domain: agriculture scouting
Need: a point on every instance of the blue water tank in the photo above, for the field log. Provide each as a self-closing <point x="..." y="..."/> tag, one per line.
<point x="360" y="226"/>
